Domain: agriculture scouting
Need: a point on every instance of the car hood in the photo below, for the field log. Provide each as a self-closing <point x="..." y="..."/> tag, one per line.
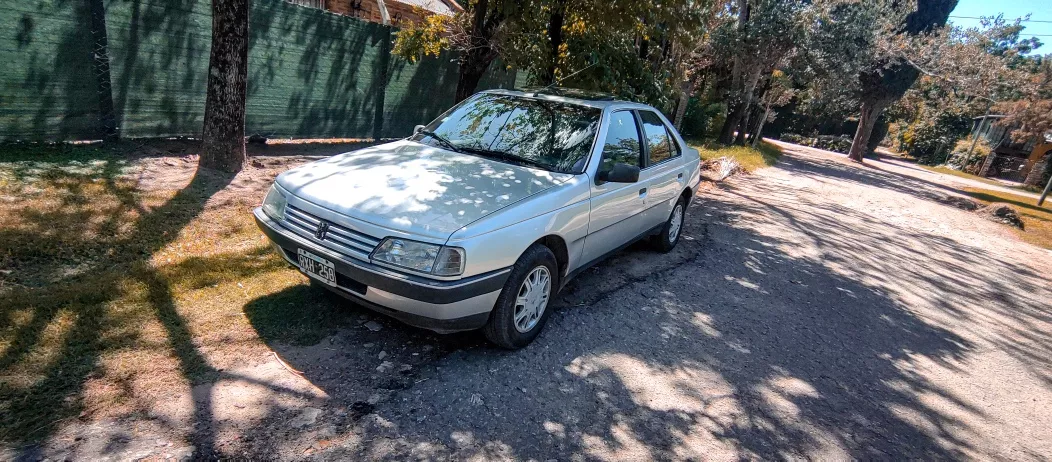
<point x="415" y="188"/>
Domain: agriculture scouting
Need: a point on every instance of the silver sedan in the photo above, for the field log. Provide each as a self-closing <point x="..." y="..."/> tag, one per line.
<point x="482" y="216"/>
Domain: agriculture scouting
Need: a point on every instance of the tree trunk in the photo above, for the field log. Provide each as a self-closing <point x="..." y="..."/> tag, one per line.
<point x="743" y="127"/>
<point x="223" y="146"/>
<point x="727" y="132"/>
<point x="101" y="70"/>
<point x="472" y="68"/>
<point x="736" y="115"/>
<point x="757" y="135"/>
<point x="555" y="38"/>
<point x="748" y="124"/>
<point x="685" y="89"/>
<point x="734" y="102"/>
<point x="867" y="118"/>
<point x="475" y="61"/>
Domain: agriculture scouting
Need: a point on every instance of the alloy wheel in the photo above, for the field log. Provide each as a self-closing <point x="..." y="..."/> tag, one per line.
<point x="532" y="299"/>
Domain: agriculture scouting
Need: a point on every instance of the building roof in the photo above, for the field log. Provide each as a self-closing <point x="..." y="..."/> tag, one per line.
<point x="443" y="7"/>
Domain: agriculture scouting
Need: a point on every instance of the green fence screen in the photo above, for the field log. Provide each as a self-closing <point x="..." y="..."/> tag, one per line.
<point x="312" y="73"/>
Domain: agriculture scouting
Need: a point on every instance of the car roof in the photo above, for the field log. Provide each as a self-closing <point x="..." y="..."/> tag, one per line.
<point x="572" y="96"/>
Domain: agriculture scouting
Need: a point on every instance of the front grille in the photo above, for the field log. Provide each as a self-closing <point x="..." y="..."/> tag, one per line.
<point x="336" y="237"/>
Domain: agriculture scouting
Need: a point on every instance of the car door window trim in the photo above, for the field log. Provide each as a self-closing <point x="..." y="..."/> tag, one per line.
<point x="646" y="145"/>
<point x="641" y="161"/>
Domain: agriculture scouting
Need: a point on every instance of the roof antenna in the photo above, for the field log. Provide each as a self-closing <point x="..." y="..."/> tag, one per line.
<point x="560" y="80"/>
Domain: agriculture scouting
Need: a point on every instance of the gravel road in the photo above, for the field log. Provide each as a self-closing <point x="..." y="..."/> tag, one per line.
<point x="815" y="309"/>
<point x="818" y="309"/>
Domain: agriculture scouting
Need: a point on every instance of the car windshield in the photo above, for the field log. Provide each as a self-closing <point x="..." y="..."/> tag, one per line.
<point x="550" y="135"/>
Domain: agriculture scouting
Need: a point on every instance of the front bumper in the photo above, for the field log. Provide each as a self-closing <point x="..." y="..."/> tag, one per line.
<point x="441" y="306"/>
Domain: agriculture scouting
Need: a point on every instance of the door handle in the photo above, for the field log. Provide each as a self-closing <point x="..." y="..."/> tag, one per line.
<point x="680" y="176"/>
<point x="642" y="192"/>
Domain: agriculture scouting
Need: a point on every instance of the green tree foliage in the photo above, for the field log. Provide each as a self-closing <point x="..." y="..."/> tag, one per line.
<point x="632" y="49"/>
<point x="1031" y="115"/>
<point x="964" y="73"/>
<point x="890" y="75"/>
<point x="477" y="34"/>
<point x="765" y="35"/>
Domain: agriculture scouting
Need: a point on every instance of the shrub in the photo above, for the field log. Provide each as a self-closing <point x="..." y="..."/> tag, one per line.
<point x="929" y="140"/>
<point x="835" y="143"/>
<point x="793" y="138"/>
<point x="960" y="159"/>
<point x="702" y="120"/>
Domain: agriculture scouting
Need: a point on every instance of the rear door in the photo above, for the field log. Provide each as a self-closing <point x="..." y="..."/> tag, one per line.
<point x="616" y="208"/>
<point x="664" y="173"/>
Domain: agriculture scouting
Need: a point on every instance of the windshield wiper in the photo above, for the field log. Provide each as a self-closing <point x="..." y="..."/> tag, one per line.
<point x="501" y="155"/>
<point x="444" y="142"/>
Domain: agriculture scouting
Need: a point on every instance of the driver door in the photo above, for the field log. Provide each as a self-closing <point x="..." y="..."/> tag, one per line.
<point x="616" y="215"/>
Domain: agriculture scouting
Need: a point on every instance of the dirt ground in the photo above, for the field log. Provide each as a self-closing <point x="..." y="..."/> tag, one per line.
<point x="815" y="309"/>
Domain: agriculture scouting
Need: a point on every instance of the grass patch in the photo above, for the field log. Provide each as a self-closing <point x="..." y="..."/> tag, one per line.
<point x="960" y="174"/>
<point x="125" y="277"/>
<point x="1037" y="221"/>
<point x="751" y="159"/>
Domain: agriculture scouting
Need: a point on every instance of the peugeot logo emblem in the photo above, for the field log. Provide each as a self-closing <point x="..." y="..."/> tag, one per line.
<point x="323" y="227"/>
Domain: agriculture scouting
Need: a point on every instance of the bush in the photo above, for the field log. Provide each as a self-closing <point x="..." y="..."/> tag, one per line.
<point x="835" y="143"/>
<point x="702" y="120"/>
<point x="961" y="160"/>
<point x="930" y="140"/>
<point x="793" y="138"/>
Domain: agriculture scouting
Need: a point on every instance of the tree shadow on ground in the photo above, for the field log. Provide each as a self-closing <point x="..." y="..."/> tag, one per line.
<point x="781" y="327"/>
<point x="82" y="304"/>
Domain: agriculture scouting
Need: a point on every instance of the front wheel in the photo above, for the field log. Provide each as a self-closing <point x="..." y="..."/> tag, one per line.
<point x="666" y="240"/>
<point x="522" y="307"/>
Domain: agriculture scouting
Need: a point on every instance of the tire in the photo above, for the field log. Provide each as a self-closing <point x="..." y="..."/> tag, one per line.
<point x="503" y="329"/>
<point x="666" y="240"/>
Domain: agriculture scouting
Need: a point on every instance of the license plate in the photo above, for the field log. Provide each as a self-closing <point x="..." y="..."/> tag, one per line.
<point x="316" y="266"/>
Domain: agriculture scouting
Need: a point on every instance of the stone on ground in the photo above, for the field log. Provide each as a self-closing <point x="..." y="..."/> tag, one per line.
<point x="1002" y="213"/>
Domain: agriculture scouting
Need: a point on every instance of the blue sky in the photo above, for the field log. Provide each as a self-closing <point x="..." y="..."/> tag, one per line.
<point x="1039" y="9"/>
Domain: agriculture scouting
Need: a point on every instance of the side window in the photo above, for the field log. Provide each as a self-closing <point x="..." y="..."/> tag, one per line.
<point x="659" y="142"/>
<point x="622" y="142"/>
<point x="676" y="151"/>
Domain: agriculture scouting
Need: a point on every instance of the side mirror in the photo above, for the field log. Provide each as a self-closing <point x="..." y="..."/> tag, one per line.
<point x="416" y="129"/>
<point x="620" y="173"/>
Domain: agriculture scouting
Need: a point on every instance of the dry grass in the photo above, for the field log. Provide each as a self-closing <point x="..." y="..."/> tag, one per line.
<point x="749" y="158"/>
<point x="1037" y="220"/>
<point x="124" y="277"/>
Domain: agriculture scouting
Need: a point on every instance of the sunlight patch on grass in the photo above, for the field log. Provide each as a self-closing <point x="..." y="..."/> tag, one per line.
<point x="1037" y="221"/>
<point x="115" y="293"/>
<point x="751" y="159"/>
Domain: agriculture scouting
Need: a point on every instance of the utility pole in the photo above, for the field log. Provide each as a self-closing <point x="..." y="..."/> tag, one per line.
<point x="979" y="129"/>
<point x="1044" y="193"/>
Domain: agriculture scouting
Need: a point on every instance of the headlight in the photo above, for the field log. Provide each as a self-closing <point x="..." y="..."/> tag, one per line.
<point x="274" y="203"/>
<point x="420" y="256"/>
